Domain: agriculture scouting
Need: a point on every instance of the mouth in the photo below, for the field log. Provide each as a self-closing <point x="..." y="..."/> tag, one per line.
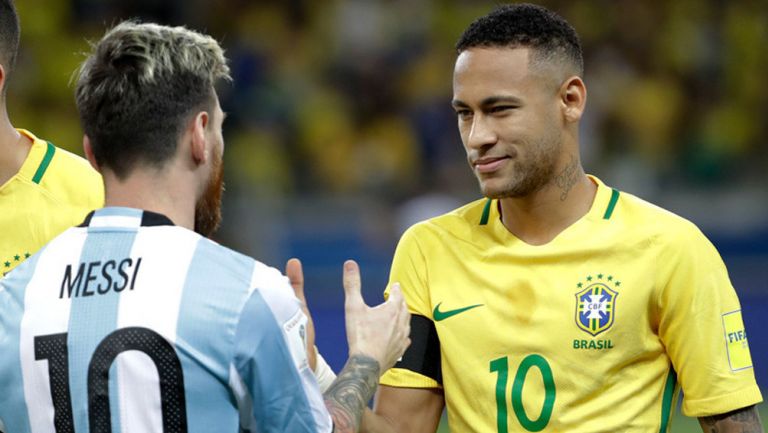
<point x="489" y="164"/>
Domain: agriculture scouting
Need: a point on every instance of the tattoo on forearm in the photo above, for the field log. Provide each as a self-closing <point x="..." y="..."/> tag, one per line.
<point x="745" y="420"/>
<point x="567" y="178"/>
<point x="350" y="393"/>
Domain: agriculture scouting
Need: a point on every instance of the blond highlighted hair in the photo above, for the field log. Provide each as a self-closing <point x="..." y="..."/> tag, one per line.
<point x="138" y="88"/>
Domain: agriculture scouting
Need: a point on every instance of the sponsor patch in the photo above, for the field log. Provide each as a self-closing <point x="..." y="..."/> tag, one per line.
<point x="736" y="341"/>
<point x="295" y="331"/>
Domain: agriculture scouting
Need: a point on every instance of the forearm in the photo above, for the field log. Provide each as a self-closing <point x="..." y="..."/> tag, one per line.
<point x="350" y="393"/>
<point x="375" y="423"/>
<point x="412" y="410"/>
<point x="745" y="420"/>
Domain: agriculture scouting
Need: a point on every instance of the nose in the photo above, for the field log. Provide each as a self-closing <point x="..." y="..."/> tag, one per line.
<point x="481" y="133"/>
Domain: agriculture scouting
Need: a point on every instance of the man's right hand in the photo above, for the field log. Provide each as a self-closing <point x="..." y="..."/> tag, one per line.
<point x="381" y="332"/>
<point x="377" y="337"/>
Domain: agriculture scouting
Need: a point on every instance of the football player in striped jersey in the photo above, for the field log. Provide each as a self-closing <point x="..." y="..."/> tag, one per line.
<point x="135" y="321"/>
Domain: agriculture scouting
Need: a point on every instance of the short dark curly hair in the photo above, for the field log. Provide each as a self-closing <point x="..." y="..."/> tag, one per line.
<point x="526" y="25"/>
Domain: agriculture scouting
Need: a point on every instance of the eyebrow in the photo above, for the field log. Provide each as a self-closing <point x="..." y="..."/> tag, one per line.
<point x="491" y="100"/>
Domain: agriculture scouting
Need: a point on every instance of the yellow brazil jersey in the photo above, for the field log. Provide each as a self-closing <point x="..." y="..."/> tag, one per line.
<point x="595" y="331"/>
<point x="53" y="190"/>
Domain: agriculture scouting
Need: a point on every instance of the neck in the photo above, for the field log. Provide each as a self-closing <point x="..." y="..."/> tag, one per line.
<point x="539" y="217"/>
<point x="149" y="189"/>
<point x="14" y="148"/>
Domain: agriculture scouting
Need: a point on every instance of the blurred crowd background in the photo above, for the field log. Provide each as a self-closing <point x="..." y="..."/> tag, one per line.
<point x="340" y="132"/>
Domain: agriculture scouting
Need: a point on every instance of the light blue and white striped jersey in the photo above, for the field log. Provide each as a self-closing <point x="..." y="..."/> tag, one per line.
<point x="130" y="324"/>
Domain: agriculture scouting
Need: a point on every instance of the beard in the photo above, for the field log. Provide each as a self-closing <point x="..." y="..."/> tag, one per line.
<point x="527" y="178"/>
<point x="208" y="208"/>
<point x="529" y="175"/>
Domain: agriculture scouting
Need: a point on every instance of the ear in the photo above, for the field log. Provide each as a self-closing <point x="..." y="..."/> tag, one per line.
<point x="199" y="126"/>
<point x="573" y="97"/>
<point x="88" y="149"/>
<point x="2" y="78"/>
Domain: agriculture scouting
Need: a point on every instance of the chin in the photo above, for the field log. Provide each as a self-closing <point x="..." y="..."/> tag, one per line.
<point x="492" y="191"/>
<point x="495" y="189"/>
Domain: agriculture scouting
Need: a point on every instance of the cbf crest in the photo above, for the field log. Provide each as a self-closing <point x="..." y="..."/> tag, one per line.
<point x="596" y="304"/>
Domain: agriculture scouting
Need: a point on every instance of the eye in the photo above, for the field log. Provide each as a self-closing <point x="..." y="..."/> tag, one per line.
<point x="501" y="109"/>
<point x="463" y="113"/>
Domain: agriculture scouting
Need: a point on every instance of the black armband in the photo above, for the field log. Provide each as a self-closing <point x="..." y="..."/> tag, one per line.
<point x="423" y="355"/>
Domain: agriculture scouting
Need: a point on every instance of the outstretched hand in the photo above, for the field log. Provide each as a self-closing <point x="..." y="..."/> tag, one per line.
<point x="380" y="332"/>
<point x="296" y="276"/>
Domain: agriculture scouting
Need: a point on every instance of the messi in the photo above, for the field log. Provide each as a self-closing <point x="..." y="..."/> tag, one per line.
<point x="99" y="278"/>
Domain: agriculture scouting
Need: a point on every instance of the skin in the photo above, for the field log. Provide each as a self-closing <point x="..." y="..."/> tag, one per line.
<point x="175" y="189"/>
<point x="208" y="208"/>
<point x="377" y="337"/>
<point x="744" y="420"/>
<point x="518" y="121"/>
<point x="519" y="127"/>
<point x="348" y="396"/>
<point x="14" y="147"/>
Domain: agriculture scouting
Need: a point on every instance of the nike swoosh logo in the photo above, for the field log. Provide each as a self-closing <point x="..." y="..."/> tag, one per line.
<point x="442" y="315"/>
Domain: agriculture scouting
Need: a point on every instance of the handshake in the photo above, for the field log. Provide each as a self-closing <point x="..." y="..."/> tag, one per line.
<point x="377" y="337"/>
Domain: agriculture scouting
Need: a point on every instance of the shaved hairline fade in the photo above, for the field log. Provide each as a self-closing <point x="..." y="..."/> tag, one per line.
<point x="9" y="39"/>
<point x="553" y="42"/>
<point x="139" y="87"/>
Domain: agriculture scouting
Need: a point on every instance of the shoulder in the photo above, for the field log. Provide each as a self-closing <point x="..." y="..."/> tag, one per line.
<point x="461" y="222"/>
<point x="669" y="238"/>
<point x="72" y="179"/>
<point x="268" y="310"/>
<point x="219" y="256"/>
<point x="261" y="280"/>
<point x="651" y="220"/>
<point x="65" y="178"/>
<point x="267" y="298"/>
<point x="66" y="163"/>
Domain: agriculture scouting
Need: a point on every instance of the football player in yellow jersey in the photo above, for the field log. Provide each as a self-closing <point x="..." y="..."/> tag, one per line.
<point x="558" y="303"/>
<point x="43" y="189"/>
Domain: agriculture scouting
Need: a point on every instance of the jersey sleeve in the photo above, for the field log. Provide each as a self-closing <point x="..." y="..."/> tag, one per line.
<point x="270" y="377"/>
<point x="420" y="365"/>
<point x="701" y="327"/>
<point x="409" y="268"/>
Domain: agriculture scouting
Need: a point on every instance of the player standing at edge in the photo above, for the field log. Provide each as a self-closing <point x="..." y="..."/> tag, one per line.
<point x="135" y="322"/>
<point x="557" y="304"/>
<point x="43" y="189"/>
